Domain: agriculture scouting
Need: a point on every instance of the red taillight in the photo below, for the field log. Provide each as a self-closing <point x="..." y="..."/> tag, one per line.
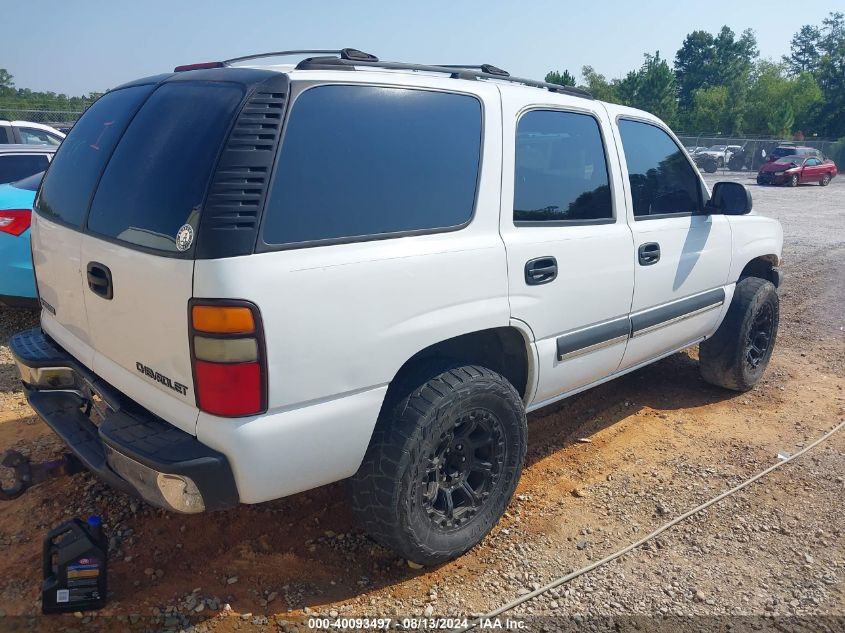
<point x="199" y="66"/>
<point x="15" y="221"/>
<point x="229" y="389"/>
<point x="227" y="348"/>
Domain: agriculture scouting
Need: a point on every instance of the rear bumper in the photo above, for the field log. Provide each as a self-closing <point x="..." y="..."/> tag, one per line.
<point x="130" y="449"/>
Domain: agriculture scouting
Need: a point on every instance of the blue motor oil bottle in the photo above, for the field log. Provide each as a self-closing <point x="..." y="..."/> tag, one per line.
<point x="75" y="561"/>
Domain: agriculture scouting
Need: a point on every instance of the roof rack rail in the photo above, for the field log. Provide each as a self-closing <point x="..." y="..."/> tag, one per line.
<point x="344" y="53"/>
<point x="490" y="69"/>
<point x="485" y="71"/>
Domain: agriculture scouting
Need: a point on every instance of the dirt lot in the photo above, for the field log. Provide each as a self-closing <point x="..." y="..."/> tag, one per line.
<point x="660" y="441"/>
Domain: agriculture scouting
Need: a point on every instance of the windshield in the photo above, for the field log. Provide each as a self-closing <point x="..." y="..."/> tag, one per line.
<point x="30" y="183"/>
<point x="718" y="148"/>
<point x="786" y="160"/>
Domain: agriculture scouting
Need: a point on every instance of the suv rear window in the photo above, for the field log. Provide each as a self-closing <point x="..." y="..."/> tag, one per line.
<point x="80" y="159"/>
<point x="366" y="162"/>
<point x="158" y="175"/>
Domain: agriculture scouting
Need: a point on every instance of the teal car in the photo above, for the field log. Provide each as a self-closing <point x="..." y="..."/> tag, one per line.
<point x="17" y="282"/>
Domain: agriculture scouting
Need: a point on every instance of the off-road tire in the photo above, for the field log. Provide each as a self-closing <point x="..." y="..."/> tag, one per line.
<point x="825" y="181"/>
<point x="734" y="357"/>
<point x="393" y="488"/>
<point x="794" y="180"/>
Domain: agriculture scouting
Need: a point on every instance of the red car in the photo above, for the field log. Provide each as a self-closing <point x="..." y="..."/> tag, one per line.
<point x="795" y="170"/>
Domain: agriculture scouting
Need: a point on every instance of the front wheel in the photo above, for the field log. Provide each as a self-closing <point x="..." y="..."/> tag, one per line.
<point x="825" y="181"/>
<point x="442" y="464"/>
<point x="736" y="356"/>
<point x="793" y="181"/>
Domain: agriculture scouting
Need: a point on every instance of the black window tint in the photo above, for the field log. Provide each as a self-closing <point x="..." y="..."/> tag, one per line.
<point x="662" y="179"/>
<point x="16" y="166"/>
<point x="561" y="172"/>
<point x="80" y="160"/>
<point x="157" y="178"/>
<point x="30" y="183"/>
<point x="364" y="160"/>
<point x="4" y="135"/>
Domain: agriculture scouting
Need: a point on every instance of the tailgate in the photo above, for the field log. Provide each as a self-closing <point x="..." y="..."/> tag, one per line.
<point x="125" y="295"/>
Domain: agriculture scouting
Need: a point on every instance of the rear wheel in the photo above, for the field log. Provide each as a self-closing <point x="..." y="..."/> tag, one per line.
<point x="736" y="356"/>
<point x="793" y="180"/>
<point x="825" y="181"/>
<point x="442" y="464"/>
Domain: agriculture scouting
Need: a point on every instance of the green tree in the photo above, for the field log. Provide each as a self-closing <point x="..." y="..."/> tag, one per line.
<point x="654" y="88"/>
<point x="779" y="104"/>
<point x="598" y="85"/>
<point x="626" y="89"/>
<point x="694" y="66"/>
<point x="804" y="51"/>
<point x="832" y="33"/>
<point x="708" y="111"/>
<point x="565" y="79"/>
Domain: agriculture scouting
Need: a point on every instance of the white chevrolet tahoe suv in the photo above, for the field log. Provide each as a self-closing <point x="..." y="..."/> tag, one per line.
<point x="271" y="277"/>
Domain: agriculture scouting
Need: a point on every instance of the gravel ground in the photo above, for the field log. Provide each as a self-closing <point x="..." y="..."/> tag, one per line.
<point x="660" y="441"/>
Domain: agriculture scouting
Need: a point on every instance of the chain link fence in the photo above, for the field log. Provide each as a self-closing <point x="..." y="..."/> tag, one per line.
<point x="57" y="118"/>
<point x="737" y="153"/>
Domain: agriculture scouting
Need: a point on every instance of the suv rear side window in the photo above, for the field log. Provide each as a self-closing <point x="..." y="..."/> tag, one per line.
<point x="80" y="159"/>
<point x="158" y="176"/>
<point x="561" y="172"/>
<point x="663" y="182"/>
<point x="367" y="161"/>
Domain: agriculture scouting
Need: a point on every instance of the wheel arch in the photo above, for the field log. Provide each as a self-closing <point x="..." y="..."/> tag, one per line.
<point x="506" y="350"/>
<point x="763" y="267"/>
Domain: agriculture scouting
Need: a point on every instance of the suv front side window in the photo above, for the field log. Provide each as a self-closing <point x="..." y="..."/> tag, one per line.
<point x="663" y="182"/>
<point x="560" y="170"/>
<point x="369" y="162"/>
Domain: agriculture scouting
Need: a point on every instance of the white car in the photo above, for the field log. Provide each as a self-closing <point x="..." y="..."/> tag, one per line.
<point x="280" y="276"/>
<point x="29" y="133"/>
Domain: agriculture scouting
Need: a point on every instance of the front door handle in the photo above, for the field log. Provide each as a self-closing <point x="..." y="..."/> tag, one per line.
<point x="99" y="280"/>
<point x="649" y="253"/>
<point x="540" y="270"/>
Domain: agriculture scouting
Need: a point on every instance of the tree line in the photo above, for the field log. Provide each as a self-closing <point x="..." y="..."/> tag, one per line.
<point x="60" y="107"/>
<point x="718" y="84"/>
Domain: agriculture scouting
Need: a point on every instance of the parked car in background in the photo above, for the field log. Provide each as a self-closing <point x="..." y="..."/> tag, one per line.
<point x="694" y="149"/>
<point x="795" y="170"/>
<point x="29" y="133"/>
<point x="719" y="153"/>
<point x="20" y="161"/>
<point x="782" y="151"/>
<point x="17" y="282"/>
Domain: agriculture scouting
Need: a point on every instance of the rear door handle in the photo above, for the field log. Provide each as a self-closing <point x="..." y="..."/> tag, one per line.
<point x="540" y="270"/>
<point x="649" y="253"/>
<point x="99" y="280"/>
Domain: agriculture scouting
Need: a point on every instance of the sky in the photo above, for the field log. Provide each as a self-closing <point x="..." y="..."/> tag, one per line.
<point x="91" y="45"/>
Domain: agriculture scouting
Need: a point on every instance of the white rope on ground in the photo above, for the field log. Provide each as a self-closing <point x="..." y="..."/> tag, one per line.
<point x="604" y="561"/>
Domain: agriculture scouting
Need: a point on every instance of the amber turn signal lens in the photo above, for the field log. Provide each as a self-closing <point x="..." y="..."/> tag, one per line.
<point x="223" y="319"/>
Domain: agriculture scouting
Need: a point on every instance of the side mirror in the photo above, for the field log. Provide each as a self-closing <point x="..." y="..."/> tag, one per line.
<point x="730" y="198"/>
